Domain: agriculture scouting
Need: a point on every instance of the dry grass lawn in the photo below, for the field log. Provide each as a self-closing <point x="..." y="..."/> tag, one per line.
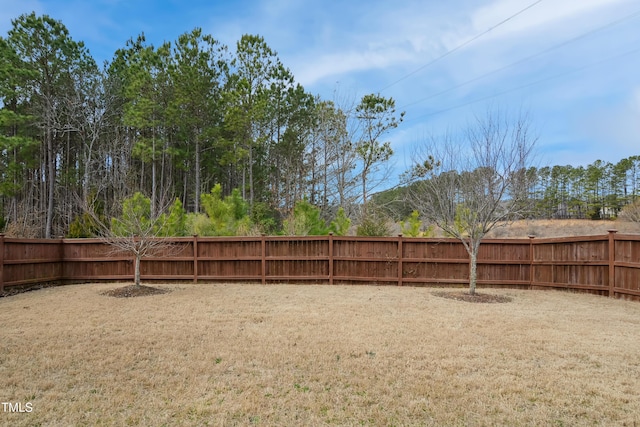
<point x="543" y="228"/>
<point x="284" y="355"/>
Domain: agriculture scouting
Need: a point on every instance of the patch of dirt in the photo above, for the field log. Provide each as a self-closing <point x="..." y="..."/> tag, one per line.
<point x="477" y="297"/>
<point x="134" y="291"/>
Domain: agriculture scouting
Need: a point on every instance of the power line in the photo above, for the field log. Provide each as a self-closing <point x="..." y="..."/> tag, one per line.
<point x="461" y="46"/>
<point x="455" y="107"/>
<point x="528" y="58"/>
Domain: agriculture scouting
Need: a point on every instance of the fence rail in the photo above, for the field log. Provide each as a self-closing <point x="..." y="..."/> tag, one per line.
<point x="605" y="264"/>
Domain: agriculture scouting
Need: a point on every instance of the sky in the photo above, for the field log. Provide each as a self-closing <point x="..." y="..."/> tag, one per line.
<point x="572" y="65"/>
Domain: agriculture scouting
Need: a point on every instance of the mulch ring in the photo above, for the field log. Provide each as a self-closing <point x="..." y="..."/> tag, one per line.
<point x="477" y="297"/>
<point x="134" y="291"/>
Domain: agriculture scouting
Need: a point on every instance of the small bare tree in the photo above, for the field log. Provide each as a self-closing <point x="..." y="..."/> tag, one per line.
<point x="470" y="185"/>
<point x="137" y="231"/>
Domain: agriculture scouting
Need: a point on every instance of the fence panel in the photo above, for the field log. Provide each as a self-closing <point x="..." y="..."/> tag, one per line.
<point x="30" y="261"/>
<point x="572" y="263"/>
<point x="238" y="258"/>
<point x="434" y="261"/>
<point x="365" y="260"/>
<point x="505" y="262"/>
<point x="627" y="266"/>
<point x="171" y="259"/>
<point x="297" y="259"/>
<point x="92" y="259"/>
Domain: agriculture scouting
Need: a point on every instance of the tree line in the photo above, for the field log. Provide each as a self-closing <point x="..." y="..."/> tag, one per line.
<point x="598" y="191"/>
<point x="172" y="122"/>
<point x="601" y="190"/>
<point x="223" y="137"/>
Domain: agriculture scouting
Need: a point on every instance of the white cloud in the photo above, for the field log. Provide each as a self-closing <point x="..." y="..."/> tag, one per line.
<point x="537" y="17"/>
<point x="378" y="37"/>
<point x="334" y="64"/>
<point x="409" y="35"/>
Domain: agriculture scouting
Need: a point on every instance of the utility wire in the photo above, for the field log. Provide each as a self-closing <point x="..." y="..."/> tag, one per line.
<point x="460" y="46"/>
<point x="455" y="107"/>
<point x="528" y="58"/>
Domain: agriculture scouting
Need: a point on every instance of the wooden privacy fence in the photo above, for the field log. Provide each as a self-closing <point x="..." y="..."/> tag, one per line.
<point x="605" y="264"/>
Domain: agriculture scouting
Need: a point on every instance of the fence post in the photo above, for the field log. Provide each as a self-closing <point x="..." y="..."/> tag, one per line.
<point x="400" y="274"/>
<point x="263" y="251"/>
<point x="331" y="258"/>
<point x="612" y="262"/>
<point x="531" y="259"/>
<point x="195" y="258"/>
<point x="1" y="263"/>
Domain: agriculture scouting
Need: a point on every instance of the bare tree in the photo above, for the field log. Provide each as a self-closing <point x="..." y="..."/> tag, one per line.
<point x="342" y="180"/>
<point x="631" y="212"/>
<point x="330" y="158"/>
<point x="470" y="185"/>
<point x="137" y="231"/>
<point x="331" y="155"/>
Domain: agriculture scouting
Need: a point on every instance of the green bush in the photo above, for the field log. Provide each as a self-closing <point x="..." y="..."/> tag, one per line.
<point x="227" y="216"/>
<point x="305" y="220"/>
<point x="83" y="226"/>
<point x="340" y="225"/>
<point x="374" y="223"/>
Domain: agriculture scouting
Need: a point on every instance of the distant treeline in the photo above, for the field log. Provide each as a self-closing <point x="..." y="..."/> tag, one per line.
<point x="599" y="191"/>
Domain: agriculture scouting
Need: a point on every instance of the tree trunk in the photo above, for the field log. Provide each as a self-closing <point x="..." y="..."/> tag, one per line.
<point x="473" y="269"/>
<point x="85" y="182"/>
<point x="136" y="275"/>
<point x="251" y="194"/>
<point x="197" y="172"/>
<point x="51" y="187"/>
<point x="364" y="194"/>
<point x="153" y="174"/>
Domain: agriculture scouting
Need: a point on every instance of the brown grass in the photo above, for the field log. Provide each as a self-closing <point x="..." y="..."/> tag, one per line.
<point x="283" y="355"/>
<point x="542" y="228"/>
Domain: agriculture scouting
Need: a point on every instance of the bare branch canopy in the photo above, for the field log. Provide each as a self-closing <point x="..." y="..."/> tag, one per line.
<point x="470" y="183"/>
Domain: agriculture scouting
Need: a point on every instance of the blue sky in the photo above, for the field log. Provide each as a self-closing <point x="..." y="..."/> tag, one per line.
<point x="574" y="65"/>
